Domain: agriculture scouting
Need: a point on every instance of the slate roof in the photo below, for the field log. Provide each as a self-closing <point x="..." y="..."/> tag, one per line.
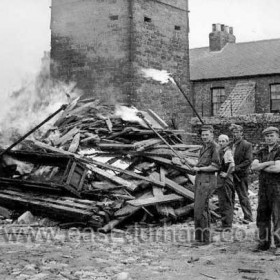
<point x="236" y="60"/>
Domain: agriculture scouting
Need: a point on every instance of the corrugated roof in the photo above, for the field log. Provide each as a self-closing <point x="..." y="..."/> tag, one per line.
<point x="235" y="60"/>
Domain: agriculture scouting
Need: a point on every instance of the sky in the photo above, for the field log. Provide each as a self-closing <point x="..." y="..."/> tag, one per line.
<point x="25" y="30"/>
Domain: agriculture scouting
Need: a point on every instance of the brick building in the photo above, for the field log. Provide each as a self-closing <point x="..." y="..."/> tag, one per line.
<point x="103" y="44"/>
<point x="236" y="82"/>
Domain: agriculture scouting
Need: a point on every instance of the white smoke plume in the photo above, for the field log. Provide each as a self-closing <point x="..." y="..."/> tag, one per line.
<point x="128" y="114"/>
<point x="161" y="76"/>
<point x="25" y="108"/>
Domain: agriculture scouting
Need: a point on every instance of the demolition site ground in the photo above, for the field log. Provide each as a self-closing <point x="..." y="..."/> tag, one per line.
<point x="140" y="252"/>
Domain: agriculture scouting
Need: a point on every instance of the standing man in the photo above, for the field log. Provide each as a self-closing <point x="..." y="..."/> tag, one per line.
<point x="205" y="184"/>
<point x="225" y="188"/>
<point x="242" y="152"/>
<point x="267" y="161"/>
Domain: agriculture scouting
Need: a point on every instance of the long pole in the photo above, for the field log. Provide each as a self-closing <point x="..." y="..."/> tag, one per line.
<point x="184" y="94"/>
<point x="63" y="107"/>
<point x="140" y="115"/>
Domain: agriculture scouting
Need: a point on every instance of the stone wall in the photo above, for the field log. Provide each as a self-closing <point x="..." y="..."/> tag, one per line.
<point x="162" y="43"/>
<point x="89" y="45"/>
<point x="103" y="44"/>
<point x="253" y="125"/>
<point x="202" y="92"/>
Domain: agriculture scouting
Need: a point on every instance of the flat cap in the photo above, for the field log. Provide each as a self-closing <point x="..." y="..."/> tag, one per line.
<point x="207" y="127"/>
<point x="270" y="129"/>
<point x="234" y="126"/>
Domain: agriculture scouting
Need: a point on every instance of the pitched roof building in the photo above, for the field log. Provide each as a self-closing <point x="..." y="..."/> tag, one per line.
<point x="236" y="82"/>
<point x="236" y="74"/>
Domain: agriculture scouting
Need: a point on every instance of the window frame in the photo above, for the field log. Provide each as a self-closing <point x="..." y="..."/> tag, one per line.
<point x="271" y="99"/>
<point x="220" y="89"/>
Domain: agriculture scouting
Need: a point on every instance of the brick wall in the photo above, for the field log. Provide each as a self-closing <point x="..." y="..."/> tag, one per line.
<point x="103" y="44"/>
<point x="253" y="125"/>
<point x="202" y="92"/>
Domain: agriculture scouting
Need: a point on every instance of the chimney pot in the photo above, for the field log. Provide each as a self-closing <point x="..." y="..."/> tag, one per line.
<point x="214" y="27"/>
<point x="218" y="27"/>
<point x="221" y="35"/>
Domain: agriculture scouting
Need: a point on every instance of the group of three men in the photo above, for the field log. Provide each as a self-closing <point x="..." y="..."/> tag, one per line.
<point x="224" y="168"/>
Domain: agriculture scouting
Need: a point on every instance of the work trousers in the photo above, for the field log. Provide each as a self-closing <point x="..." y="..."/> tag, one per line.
<point x="205" y="184"/>
<point x="269" y="207"/>
<point x="241" y="187"/>
<point x="225" y="192"/>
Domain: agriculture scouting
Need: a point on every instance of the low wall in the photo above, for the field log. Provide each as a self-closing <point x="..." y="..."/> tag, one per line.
<point x="253" y="125"/>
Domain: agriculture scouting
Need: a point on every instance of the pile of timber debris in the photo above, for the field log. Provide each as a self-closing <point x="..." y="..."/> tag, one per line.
<point x="103" y="167"/>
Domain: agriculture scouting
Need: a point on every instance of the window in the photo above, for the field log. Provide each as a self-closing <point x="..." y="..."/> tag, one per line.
<point x="147" y="19"/>
<point x="114" y="17"/>
<point x="177" y="27"/>
<point x="275" y="98"/>
<point x="218" y="97"/>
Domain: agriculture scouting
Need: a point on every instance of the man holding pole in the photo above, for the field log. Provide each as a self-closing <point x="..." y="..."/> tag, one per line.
<point x="205" y="184"/>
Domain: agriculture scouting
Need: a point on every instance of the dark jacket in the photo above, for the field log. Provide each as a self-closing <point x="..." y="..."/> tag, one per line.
<point x="209" y="155"/>
<point x="242" y="157"/>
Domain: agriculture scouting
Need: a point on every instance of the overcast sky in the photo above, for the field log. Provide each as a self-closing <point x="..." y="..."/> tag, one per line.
<point x="25" y="33"/>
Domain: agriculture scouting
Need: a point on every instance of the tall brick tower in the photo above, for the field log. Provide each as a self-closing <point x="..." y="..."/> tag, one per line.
<point x="103" y="44"/>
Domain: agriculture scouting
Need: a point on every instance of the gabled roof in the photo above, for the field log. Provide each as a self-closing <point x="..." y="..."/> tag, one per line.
<point x="236" y="60"/>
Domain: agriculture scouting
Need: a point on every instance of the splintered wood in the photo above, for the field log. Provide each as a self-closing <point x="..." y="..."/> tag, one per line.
<point x="132" y="175"/>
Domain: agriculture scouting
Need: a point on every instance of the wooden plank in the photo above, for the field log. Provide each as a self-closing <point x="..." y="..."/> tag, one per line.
<point x="129" y="185"/>
<point x="126" y="210"/>
<point x="146" y="144"/>
<point x="66" y="137"/>
<point x="58" y="201"/>
<point x="6" y="198"/>
<point x="184" y="211"/>
<point x="169" y="163"/>
<point x="129" y="209"/>
<point x="162" y="173"/>
<point x="179" y="189"/>
<point x="109" y="124"/>
<point x="164" y="210"/>
<point x="75" y="143"/>
<point x="155" y="200"/>
<point x="97" y="163"/>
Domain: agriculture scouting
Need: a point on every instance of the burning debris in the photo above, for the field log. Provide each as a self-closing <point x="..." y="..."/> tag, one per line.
<point x="103" y="166"/>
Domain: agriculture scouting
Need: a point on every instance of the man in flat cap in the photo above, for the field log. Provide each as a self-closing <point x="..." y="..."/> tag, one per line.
<point x="267" y="161"/>
<point x="205" y="184"/>
<point x="242" y="152"/>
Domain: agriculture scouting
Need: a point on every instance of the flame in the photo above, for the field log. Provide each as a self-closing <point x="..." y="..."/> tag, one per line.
<point x="161" y="76"/>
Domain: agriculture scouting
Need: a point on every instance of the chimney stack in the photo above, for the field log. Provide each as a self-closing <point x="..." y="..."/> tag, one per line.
<point x="221" y="35"/>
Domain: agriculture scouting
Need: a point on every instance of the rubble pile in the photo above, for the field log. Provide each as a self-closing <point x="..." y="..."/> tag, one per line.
<point x="103" y="166"/>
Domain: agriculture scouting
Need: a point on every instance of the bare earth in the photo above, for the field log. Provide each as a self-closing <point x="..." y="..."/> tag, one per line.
<point x="140" y="253"/>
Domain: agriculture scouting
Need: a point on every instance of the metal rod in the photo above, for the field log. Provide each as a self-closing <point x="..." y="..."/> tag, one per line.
<point x="63" y="107"/>
<point x="181" y="90"/>
<point x="149" y="125"/>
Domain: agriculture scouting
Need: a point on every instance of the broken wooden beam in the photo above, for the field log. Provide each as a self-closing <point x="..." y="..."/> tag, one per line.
<point x="155" y="200"/>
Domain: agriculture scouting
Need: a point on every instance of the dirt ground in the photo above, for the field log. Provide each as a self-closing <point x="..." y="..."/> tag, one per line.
<point x="139" y="253"/>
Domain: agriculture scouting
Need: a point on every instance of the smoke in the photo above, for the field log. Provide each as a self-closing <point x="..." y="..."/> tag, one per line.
<point x="161" y="76"/>
<point x="128" y="114"/>
<point x="23" y="109"/>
